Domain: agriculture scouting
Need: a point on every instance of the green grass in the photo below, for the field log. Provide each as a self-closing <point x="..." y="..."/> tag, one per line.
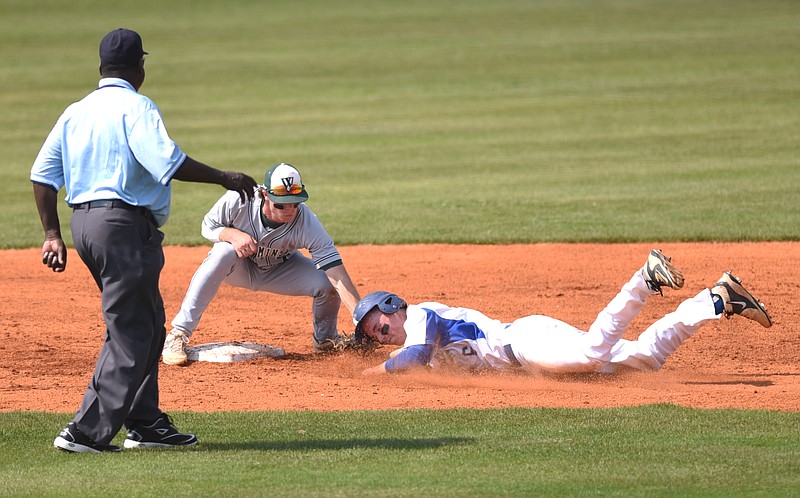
<point x="656" y="450"/>
<point x="447" y="121"/>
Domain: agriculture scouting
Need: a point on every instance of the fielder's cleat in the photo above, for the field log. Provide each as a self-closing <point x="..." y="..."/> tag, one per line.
<point x="72" y="440"/>
<point x="158" y="434"/>
<point x="739" y="301"/>
<point x="174" y="352"/>
<point x="659" y="272"/>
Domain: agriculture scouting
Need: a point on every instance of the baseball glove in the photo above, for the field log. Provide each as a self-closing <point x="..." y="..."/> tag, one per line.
<point x="347" y="343"/>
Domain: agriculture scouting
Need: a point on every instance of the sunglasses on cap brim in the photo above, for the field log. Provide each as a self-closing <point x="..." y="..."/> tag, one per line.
<point x="294" y="189"/>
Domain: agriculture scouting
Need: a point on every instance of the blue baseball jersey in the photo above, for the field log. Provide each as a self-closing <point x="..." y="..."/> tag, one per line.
<point x="438" y="335"/>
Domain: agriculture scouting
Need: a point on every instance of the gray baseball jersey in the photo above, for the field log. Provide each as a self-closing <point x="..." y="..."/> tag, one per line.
<point x="275" y="245"/>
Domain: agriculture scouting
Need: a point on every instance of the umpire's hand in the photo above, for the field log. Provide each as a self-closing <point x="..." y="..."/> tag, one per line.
<point x="54" y="254"/>
<point x="241" y="183"/>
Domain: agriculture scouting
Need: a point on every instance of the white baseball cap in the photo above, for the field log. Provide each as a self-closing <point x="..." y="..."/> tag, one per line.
<point x="285" y="185"/>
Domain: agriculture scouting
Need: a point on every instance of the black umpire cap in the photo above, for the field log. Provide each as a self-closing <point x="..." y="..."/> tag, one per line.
<point x="121" y="47"/>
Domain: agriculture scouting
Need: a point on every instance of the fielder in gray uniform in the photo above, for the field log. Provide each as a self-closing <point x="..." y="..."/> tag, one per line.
<point x="256" y="245"/>
<point x="435" y="335"/>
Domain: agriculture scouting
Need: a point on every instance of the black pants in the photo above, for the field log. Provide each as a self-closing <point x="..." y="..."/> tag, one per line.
<point x="122" y="249"/>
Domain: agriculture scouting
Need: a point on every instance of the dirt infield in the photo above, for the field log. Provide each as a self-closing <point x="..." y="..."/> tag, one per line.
<point x="52" y="330"/>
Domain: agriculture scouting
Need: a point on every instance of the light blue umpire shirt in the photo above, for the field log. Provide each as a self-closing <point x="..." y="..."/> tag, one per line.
<point x="111" y="145"/>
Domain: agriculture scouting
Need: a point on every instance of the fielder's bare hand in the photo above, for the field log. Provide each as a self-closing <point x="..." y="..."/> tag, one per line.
<point x="54" y="254"/>
<point x="243" y="243"/>
<point x="239" y="182"/>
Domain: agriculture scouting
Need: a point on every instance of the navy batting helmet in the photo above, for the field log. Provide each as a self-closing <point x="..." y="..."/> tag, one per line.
<point x="386" y="302"/>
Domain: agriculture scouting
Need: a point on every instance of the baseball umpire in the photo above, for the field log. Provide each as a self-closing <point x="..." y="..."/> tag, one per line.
<point x="256" y="245"/>
<point x="437" y="335"/>
<point x="112" y="154"/>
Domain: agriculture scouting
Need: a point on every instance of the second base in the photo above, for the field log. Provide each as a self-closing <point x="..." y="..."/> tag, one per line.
<point x="227" y="352"/>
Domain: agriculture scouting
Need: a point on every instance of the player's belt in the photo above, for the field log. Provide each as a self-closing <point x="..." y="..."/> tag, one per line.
<point x="115" y="204"/>
<point x="510" y="353"/>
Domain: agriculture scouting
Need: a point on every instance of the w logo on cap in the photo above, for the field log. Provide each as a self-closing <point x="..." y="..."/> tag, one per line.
<point x="284" y="180"/>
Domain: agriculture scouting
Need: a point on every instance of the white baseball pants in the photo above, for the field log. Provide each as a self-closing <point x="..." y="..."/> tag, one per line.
<point x="545" y="344"/>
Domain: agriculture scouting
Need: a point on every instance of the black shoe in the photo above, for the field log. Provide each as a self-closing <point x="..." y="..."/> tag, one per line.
<point x="74" y="441"/>
<point x="739" y="301"/>
<point x="158" y="434"/>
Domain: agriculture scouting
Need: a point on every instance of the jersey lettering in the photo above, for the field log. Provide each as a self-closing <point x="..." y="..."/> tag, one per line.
<point x="456" y="356"/>
<point x="266" y="252"/>
<point x="265" y="256"/>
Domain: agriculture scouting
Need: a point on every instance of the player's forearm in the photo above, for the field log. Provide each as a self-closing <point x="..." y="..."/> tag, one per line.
<point x="344" y="285"/>
<point x="230" y="234"/>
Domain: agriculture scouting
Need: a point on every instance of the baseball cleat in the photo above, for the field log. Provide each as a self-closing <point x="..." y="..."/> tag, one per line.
<point x="658" y="272"/>
<point x="158" y="434"/>
<point x="72" y="440"/>
<point x="739" y="301"/>
<point x="174" y="352"/>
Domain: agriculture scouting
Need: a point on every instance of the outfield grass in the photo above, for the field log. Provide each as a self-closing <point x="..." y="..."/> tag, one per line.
<point x="447" y="121"/>
<point x="657" y="450"/>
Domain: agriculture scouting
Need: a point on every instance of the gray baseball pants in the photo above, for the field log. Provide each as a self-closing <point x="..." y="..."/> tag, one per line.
<point x="297" y="276"/>
<point x="122" y="250"/>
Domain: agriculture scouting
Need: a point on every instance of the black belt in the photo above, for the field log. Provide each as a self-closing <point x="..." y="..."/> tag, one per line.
<point x="115" y="204"/>
<point x="510" y="353"/>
